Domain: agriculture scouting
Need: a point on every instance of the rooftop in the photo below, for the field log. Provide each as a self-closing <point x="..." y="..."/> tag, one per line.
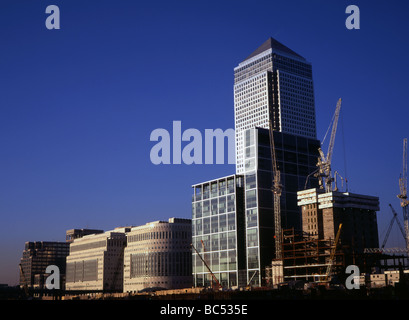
<point x="273" y="44"/>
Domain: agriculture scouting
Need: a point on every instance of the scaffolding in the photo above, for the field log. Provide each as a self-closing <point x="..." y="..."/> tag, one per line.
<point x="305" y="258"/>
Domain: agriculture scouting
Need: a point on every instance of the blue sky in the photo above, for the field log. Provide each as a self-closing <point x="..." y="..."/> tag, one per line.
<point x="77" y="105"/>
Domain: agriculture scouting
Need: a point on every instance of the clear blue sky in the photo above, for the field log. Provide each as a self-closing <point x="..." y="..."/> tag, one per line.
<point x="77" y="105"/>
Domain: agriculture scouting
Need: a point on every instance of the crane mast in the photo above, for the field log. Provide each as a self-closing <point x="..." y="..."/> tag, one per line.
<point x="333" y="252"/>
<point x="277" y="189"/>
<point x="324" y="162"/>
<point x="403" y="186"/>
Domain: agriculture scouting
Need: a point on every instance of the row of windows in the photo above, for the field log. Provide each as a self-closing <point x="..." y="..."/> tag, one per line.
<point x="214" y="224"/>
<point x="250" y="119"/>
<point x="292" y="66"/>
<point x="250" y="69"/>
<point x="214" y="206"/>
<point x="251" y="85"/>
<point x="256" y="110"/>
<point x="85" y="270"/>
<point x="270" y="61"/>
<point x="226" y="279"/>
<point x="88" y="246"/>
<point x="217" y="261"/>
<point x="214" y="189"/>
<point x="153" y="235"/>
<point x="215" y="242"/>
<point x="157" y="264"/>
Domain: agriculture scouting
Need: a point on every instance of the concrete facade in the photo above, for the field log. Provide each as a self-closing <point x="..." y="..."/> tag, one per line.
<point x="158" y="255"/>
<point x="95" y="262"/>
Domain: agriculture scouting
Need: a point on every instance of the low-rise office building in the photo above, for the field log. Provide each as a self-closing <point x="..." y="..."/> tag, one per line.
<point x="95" y="262"/>
<point x="37" y="256"/>
<point x="158" y="255"/>
<point x="218" y="232"/>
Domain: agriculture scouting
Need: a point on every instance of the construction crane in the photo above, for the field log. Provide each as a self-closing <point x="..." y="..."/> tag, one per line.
<point x="218" y="285"/>
<point x="332" y="256"/>
<point x="403" y="186"/>
<point x="277" y="189"/>
<point x="395" y="217"/>
<point x="324" y="162"/>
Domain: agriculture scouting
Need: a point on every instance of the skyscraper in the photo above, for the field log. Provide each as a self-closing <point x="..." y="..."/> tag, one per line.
<point x="273" y="83"/>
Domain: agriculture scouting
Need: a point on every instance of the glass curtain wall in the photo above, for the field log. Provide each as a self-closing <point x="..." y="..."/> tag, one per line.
<point x="214" y="230"/>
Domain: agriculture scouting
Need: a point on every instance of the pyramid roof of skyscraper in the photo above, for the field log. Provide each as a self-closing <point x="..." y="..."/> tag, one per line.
<point x="271" y="43"/>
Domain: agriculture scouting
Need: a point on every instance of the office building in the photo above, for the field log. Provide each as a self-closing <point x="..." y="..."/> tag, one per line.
<point x="158" y="255"/>
<point x="95" y="262"/>
<point x="37" y="256"/>
<point x="273" y="83"/>
<point x="218" y="232"/>
<point x="234" y="215"/>
<point x="296" y="158"/>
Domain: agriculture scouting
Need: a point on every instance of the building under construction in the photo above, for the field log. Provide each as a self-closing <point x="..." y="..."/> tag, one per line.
<point x="323" y="212"/>
<point x="305" y="258"/>
<point x="336" y="229"/>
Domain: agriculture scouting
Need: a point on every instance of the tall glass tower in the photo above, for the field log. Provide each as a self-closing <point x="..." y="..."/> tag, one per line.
<point x="273" y="83"/>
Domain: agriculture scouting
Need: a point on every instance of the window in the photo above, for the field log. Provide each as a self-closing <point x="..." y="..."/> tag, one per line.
<point x="252" y="238"/>
<point x="222" y="187"/>
<point x="214" y="224"/>
<point x="230" y="185"/>
<point x="206" y="191"/>
<point x="250" y="181"/>
<point x="213" y="189"/>
<point x="230" y="203"/>
<point x="215" y="261"/>
<point x="223" y="261"/>
<point x="214" y="209"/>
<point x="231" y="221"/>
<point x="199" y="227"/>
<point x="251" y="215"/>
<point x="222" y="204"/>
<point x="232" y="259"/>
<point x="251" y="199"/>
<point x="214" y="241"/>
<point x="223" y="241"/>
<point x="252" y="260"/>
<point x="198" y="209"/>
<point x="231" y="240"/>
<point x="206" y="208"/>
<point x="222" y="223"/>
<point x="206" y="225"/>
